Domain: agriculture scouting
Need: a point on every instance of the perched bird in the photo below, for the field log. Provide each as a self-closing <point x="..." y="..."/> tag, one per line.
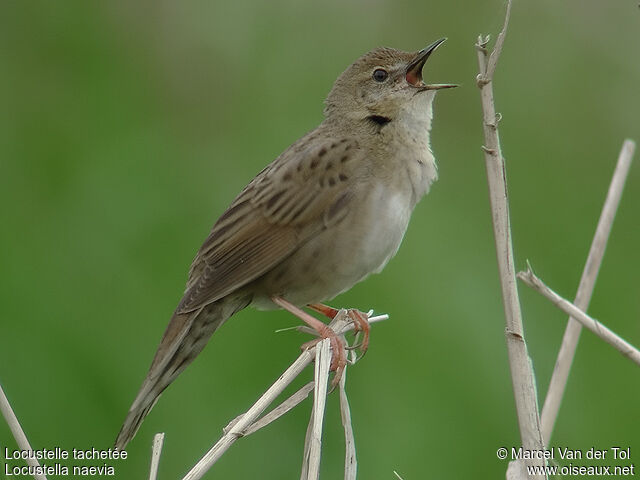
<point x="330" y="210"/>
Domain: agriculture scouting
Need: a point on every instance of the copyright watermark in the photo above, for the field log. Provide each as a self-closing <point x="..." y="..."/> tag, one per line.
<point x="564" y="461"/>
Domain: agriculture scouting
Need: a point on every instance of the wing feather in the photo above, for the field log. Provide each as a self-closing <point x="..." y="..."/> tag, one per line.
<point x="292" y="199"/>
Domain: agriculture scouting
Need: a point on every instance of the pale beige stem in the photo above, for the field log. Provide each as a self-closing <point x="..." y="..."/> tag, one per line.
<point x="522" y="376"/>
<point x="158" y="440"/>
<point x="573" y="311"/>
<point x="313" y="443"/>
<point x="18" y="433"/>
<point x="249" y="417"/>
<point x="350" y="460"/>
<point x="341" y="324"/>
<point x="290" y="403"/>
<point x="585" y="289"/>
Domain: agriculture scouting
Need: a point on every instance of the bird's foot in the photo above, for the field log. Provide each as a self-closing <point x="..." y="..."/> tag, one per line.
<point x="339" y="355"/>
<point x="360" y="321"/>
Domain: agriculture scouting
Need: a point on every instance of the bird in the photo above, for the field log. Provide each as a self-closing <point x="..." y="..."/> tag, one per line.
<point x="329" y="211"/>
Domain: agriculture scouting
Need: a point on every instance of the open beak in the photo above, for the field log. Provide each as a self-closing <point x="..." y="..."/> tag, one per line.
<point x="414" y="70"/>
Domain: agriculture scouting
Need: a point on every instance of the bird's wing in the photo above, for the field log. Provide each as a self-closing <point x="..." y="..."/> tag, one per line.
<point x="303" y="191"/>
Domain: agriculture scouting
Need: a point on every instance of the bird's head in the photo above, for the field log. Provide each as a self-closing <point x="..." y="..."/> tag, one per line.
<point x="381" y="86"/>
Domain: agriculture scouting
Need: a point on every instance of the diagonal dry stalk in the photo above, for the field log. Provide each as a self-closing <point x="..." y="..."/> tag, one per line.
<point x="522" y="376"/>
<point x="18" y="433"/>
<point x="585" y="289"/>
<point x="244" y="424"/>
<point x="578" y="315"/>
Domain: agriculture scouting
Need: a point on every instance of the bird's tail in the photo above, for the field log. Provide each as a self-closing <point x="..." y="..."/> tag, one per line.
<point x="185" y="337"/>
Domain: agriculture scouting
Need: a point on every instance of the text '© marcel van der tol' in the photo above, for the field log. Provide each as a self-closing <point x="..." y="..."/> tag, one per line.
<point x="564" y="453"/>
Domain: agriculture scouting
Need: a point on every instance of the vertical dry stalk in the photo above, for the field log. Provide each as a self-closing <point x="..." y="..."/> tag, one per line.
<point x="350" y="461"/>
<point x="521" y="369"/>
<point x="18" y="433"/>
<point x="313" y="443"/>
<point x="158" y="440"/>
<point x="585" y="289"/>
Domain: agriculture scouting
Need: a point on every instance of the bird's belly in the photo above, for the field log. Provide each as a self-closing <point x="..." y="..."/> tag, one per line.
<point x="336" y="259"/>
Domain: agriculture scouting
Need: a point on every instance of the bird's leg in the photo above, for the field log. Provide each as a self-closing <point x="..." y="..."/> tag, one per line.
<point x="339" y="359"/>
<point x="325" y="310"/>
<point x="360" y="320"/>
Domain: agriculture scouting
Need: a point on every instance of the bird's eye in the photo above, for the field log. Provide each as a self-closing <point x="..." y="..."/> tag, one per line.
<point x="380" y="75"/>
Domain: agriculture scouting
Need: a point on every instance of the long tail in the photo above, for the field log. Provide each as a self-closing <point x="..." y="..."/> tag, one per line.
<point x="185" y="337"/>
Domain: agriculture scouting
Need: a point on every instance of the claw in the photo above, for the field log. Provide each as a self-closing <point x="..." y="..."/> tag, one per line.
<point x="360" y="320"/>
<point x="361" y="323"/>
<point x="339" y="357"/>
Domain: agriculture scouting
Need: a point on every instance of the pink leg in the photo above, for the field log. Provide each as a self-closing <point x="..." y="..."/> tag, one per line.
<point x="339" y="356"/>
<point x="360" y="320"/>
<point x="325" y="310"/>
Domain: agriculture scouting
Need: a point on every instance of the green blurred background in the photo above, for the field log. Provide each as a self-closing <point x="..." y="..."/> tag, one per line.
<point x="126" y="128"/>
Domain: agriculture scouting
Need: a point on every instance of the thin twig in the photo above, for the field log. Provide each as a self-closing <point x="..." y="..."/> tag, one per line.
<point x="591" y="323"/>
<point x="18" y="433"/>
<point x="236" y="429"/>
<point x="497" y="49"/>
<point x="304" y="473"/>
<point x="250" y="416"/>
<point x="521" y="369"/>
<point x="350" y="461"/>
<point x="585" y="289"/>
<point x="158" y="440"/>
<point x="313" y="448"/>
<point x="311" y="331"/>
<point x="290" y="403"/>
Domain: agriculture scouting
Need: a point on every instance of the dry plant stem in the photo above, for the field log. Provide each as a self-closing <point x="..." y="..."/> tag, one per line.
<point x="243" y="423"/>
<point x="585" y="289"/>
<point x="311" y="331"/>
<point x="492" y="62"/>
<point x="281" y="409"/>
<point x="16" y="430"/>
<point x="158" y="440"/>
<point x="521" y="369"/>
<point x="591" y="323"/>
<point x="307" y="441"/>
<point x="250" y="416"/>
<point x="517" y="470"/>
<point x="297" y="397"/>
<point x="313" y="445"/>
<point x="350" y="461"/>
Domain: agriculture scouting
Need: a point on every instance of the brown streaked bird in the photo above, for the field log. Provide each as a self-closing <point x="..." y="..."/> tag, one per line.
<point x="330" y="210"/>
